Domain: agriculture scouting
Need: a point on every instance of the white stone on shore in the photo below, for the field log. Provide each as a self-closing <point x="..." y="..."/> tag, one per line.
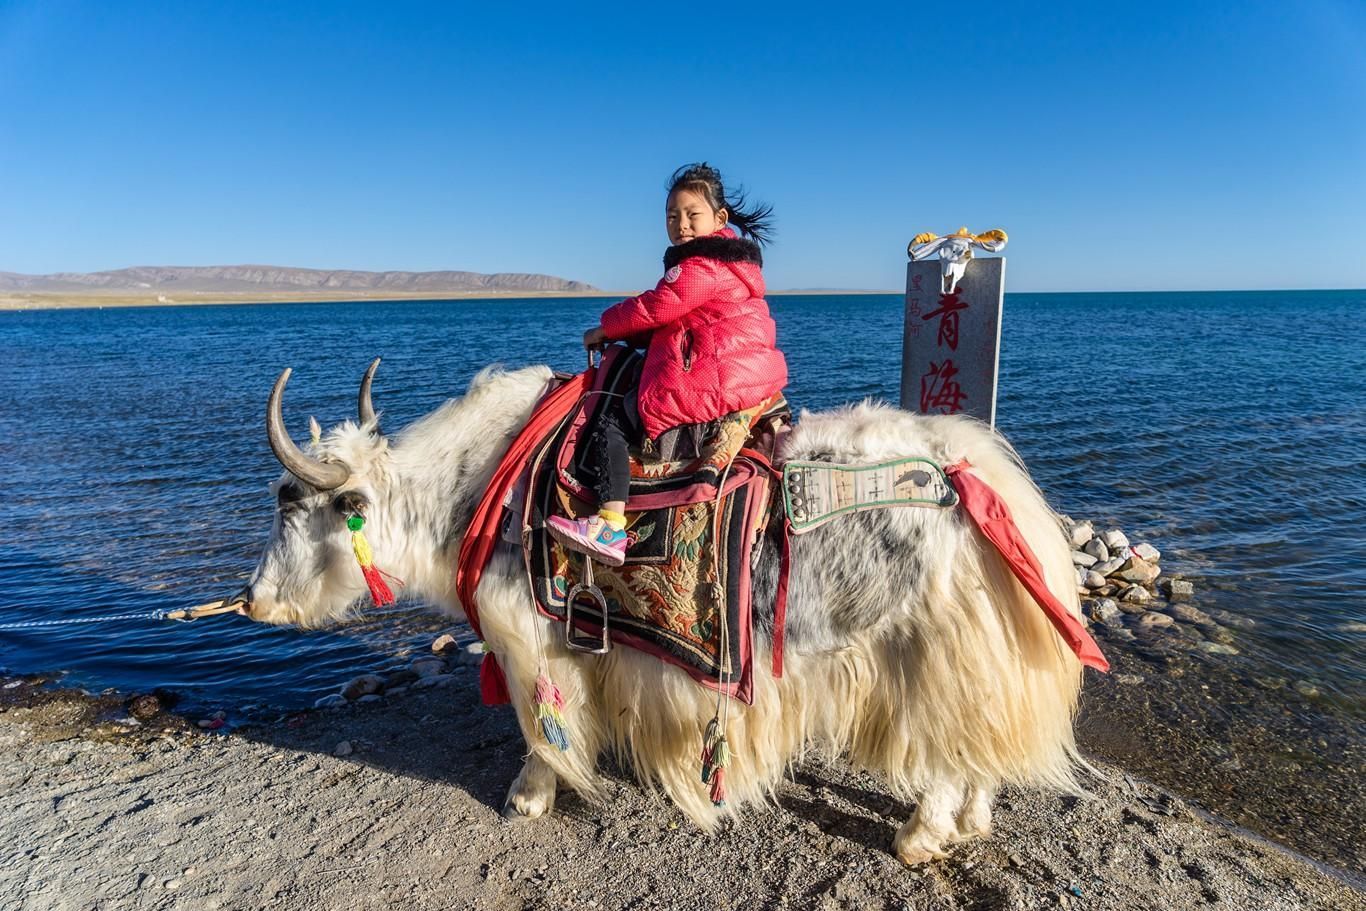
<point x="1094" y="580"/>
<point x="1177" y="589"/>
<point x="1135" y="594"/>
<point x="1096" y="548"/>
<point x="1081" y="577"/>
<point x="1115" y="539"/>
<point x="343" y="748"/>
<point x="1081" y="558"/>
<point x="436" y="680"/>
<point x="363" y="685"/>
<point x="330" y="701"/>
<point x="1137" y="570"/>
<point x="1080" y="534"/>
<point x="1103" y="610"/>
<point x="1107" y="567"/>
<point x="427" y="667"/>
<point x="471" y="655"/>
<point x="444" y="643"/>
<point x="1147" y="552"/>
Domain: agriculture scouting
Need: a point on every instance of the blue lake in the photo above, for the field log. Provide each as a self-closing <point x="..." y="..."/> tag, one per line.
<point x="1227" y="428"/>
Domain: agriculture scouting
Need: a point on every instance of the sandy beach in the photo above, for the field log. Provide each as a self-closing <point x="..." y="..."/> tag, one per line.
<point x="396" y="803"/>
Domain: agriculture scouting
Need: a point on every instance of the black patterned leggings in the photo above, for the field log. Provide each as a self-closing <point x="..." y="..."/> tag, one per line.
<point x="616" y="430"/>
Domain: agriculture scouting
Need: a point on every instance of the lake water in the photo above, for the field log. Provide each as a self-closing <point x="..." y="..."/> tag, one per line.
<point x="1227" y="428"/>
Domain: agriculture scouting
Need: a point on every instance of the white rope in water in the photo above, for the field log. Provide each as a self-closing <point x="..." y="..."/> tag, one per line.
<point x="31" y="624"/>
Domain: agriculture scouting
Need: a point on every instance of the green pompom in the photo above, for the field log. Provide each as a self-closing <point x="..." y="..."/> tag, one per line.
<point x="355" y="523"/>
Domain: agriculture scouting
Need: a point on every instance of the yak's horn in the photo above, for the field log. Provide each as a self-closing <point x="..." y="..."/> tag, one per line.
<point x="363" y="406"/>
<point x="319" y="474"/>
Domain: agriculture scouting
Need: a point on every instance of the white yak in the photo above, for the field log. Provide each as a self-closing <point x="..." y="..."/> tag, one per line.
<point x="911" y="650"/>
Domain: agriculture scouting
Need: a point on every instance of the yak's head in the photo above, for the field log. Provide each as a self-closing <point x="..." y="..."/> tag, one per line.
<point x="308" y="574"/>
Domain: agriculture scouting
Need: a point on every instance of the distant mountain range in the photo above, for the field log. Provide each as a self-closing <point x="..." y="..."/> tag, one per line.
<point x="274" y="279"/>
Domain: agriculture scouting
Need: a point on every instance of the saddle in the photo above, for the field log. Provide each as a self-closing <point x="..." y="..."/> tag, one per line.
<point x="693" y="522"/>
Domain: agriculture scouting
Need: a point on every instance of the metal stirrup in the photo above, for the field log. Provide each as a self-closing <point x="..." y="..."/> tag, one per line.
<point x="592" y="595"/>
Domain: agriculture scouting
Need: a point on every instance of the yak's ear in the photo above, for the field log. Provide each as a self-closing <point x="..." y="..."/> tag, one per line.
<point x="315" y="431"/>
<point x="992" y="240"/>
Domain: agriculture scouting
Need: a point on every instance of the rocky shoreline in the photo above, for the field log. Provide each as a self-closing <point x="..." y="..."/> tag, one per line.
<point x="1122" y="582"/>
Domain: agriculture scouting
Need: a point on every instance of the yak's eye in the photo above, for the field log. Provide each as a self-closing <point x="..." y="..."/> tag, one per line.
<point x="349" y="504"/>
<point x="289" y="493"/>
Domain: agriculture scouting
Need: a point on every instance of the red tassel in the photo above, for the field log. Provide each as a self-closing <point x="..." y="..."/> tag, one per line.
<point x="718" y="786"/>
<point x="493" y="686"/>
<point x="380" y="593"/>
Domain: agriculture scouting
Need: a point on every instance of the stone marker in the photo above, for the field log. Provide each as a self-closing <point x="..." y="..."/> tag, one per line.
<point x="952" y="343"/>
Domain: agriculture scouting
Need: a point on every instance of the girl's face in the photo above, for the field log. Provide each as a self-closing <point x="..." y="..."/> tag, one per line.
<point x="687" y="215"/>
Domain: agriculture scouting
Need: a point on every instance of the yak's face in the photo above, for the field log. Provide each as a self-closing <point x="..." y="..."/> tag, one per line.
<point x="308" y="574"/>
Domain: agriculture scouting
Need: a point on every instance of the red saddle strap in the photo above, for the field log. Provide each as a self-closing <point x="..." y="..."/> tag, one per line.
<point x="482" y="535"/>
<point x="784" y="566"/>
<point x="993" y="518"/>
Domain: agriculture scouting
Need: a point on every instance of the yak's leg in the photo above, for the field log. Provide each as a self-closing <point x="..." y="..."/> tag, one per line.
<point x="922" y="839"/>
<point x="524" y="651"/>
<point x="974" y="816"/>
<point x="533" y="791"/>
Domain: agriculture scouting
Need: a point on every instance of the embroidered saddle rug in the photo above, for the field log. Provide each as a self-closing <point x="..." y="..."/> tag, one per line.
<point x="683" y="593"/>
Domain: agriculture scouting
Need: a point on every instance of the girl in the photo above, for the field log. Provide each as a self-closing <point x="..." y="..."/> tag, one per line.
<point x="710" y="343"/>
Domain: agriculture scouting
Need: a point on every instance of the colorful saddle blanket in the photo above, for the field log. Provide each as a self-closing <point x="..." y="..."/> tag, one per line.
<point x="683" y="594"/>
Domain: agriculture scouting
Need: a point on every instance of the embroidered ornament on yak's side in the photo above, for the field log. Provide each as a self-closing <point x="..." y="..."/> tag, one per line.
<point x="380" y="593"/>
<point x="816" y="492"/>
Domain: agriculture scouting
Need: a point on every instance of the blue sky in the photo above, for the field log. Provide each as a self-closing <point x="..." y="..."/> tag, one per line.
<point x="1155" y="146"/>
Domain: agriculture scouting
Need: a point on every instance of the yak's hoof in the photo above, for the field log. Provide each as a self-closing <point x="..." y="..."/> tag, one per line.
<point x="918" y="848"/>
<point x="518" y="810"/>
<point x="532" y="795"/>
<point x="528" y="806"/>
<point x="913" y="856"/>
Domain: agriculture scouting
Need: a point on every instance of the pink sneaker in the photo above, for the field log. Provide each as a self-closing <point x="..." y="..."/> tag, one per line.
<point x="590" y="536"/>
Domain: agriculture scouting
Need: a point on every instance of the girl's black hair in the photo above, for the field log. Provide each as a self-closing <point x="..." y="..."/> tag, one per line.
<point x="755" y="223"/>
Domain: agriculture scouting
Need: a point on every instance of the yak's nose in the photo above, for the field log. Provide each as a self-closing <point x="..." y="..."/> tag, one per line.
<point x="243" y="601"/>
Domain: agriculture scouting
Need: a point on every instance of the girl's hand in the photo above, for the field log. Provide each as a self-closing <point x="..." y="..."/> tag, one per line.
<point x="594" y="338"/>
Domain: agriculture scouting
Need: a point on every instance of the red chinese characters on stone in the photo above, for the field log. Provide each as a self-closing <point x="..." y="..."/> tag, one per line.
<point x="949" y="305"/>
<point x="939" y="391"/>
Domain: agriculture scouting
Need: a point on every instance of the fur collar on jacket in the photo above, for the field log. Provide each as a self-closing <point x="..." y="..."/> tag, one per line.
<point x="723" y="246"/>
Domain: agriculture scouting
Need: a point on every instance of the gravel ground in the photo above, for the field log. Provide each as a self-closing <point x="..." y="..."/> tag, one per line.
<point x="99" y="813"/>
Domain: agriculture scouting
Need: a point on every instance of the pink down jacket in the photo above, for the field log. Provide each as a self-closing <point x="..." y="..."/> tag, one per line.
<point x="712" y="343"/>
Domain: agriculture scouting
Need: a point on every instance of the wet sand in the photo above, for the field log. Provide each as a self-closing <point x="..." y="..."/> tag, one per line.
<point x="396" y="804"/>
